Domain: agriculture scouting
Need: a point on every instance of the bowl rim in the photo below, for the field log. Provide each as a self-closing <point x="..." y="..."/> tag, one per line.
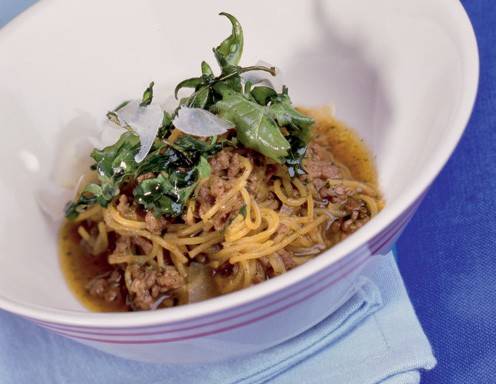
<point x="340" y="251"/>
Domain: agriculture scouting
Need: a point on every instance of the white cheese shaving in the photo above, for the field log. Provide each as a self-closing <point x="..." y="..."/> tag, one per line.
<point x="145" y="121"/>
<point x="199" y="122"/>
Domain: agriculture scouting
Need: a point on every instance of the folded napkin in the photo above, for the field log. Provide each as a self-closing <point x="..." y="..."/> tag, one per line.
<point x="374" y="337"/>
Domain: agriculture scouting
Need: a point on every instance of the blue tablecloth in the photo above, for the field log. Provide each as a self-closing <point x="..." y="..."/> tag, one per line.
<point x="447" y="254"/>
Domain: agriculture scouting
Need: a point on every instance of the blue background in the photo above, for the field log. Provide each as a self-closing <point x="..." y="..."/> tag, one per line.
<point x="447" y="254"/>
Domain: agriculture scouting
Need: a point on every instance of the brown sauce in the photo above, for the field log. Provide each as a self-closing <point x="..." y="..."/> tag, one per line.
<point x="346" y="146"/>
<point x="79" y="267"/>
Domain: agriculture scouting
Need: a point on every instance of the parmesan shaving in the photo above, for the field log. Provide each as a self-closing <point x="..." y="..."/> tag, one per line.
<point x="199" y="122"/>
<point x="145" y="121"/>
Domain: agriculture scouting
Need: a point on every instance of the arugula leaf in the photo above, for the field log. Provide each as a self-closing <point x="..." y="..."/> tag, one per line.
<point x="192" y="147"/>
<point x="229" y="52"/>
<point x="160" y="159"/>
<point x="155" y="195"/>
<point x="204" y="169"/>
<point x="256" y="129"/>
<point x="199" y="99"/>
<point x="295" y="156"/>
<point x="207" y="72"/>
<point x="165" y="128"/>
<point x="168" y="193"/>
<point x="147" y="96"/>
<point x="91" y="194"/>
<point x="263" y="94"/>
<point x="179" y="167"/>
<point x="112" y="115"/>
<point x="286" y="115"/>
<point x="193" y="82"/>
<point x="228" y="55"/>
<point x="115" y="162"/>
<point x="297" y="124"/>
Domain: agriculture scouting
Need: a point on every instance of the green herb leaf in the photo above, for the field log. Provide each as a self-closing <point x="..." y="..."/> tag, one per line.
<point x="85" y="200"/>
<point x="199" y="99"/>
<point x="115" y="162"/>
<point x="204" y="169"/>
<point x="295" y="156"/>
<point x="152" y="194"/>
<point x="147" y="96"/>
<point x="298" y="126"/>
<point x="207" y="72"/>
<point x="229" y="52"/>
<point x="192" y="147"/>
<point x="193" y="82"/>
<point x="112" y="115"/>
<point x="263" y="94"/>
<point x="166" y="126"/>
<point x="286" y="115"/>
<point x="256" y="129"/>
<point x="168" y="193"/>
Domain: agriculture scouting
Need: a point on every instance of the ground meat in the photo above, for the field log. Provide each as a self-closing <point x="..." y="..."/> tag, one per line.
<point x="154" y="224"/>
<point x="106" y="287"/>
<point x="282" y="230"/>
<point x="205" y="199"/>
<point x="286" y="258"/>
<point x="270" y="170"/>
<point x="124" y="208"/>
<point x="337" y="194"/>
<point x="321" y="169"/>
<point x="147" y="284"/>
<point x="259" y="273"/>
<point x="272" y="202"/>
<point x="220" y="162"/>
<point x="269" y="271"/>
<point x="226" y="215"/>
<point x="254" y="157"/>
<point x="145" y="245"/>
<point x="319" y="184"/>
<point x="218" y="186"/>
<point x="123" y="245"/>
<point x="357" y="216"/>
<point x="210" y="192"/>
<point x="286" y="210"/>
<point x="316" y="151"/>
<point x="253" y="182"/>
<point x="226" y="163"/>
<point x="235" y="166"/>
<point x="226" y="169"/>
<point x="225" y="270"/>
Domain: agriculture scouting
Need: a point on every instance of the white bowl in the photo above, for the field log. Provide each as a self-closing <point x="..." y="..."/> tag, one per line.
<point x="403" y="75"/>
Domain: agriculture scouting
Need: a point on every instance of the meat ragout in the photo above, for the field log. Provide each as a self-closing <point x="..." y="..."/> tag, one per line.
<point x="149" y="286"/>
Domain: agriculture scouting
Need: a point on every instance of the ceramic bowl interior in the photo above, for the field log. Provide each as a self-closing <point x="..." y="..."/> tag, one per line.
<point x="404" y="77"/>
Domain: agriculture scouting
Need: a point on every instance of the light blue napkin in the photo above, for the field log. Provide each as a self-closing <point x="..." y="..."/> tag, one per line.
<point x="374" y="337"/>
